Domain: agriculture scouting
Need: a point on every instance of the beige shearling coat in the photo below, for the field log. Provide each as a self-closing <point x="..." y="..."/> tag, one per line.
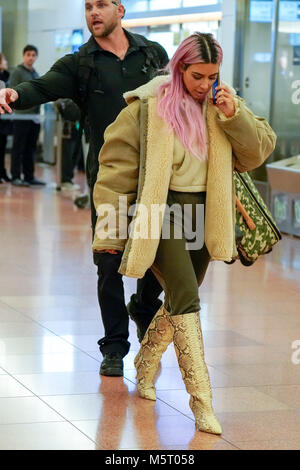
<point x="136" y="162"/>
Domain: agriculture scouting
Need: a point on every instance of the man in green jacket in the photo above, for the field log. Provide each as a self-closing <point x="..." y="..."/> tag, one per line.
<point x="112" y="62"/>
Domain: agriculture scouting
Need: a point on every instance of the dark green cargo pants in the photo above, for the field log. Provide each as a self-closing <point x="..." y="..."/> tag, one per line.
<point x="180" y="268"/>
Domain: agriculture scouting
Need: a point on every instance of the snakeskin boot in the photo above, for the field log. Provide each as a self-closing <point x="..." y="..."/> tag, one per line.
<point x="156" y="340"/>
<point x="188" y="345"/>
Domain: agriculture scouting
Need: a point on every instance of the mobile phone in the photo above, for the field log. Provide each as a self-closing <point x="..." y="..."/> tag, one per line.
<point x="214" y="91"/>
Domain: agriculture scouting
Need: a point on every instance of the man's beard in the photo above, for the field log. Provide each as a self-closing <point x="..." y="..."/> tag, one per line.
<point x="108" y="29"/>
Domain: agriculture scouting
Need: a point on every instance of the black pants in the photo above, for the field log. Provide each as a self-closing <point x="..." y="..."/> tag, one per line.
<point x="112" y="302"/>
<point x="67" y="163"/>
<point x="3" y="140"/>
<point x="71" y="152"/>
<point x="25" y="134"/>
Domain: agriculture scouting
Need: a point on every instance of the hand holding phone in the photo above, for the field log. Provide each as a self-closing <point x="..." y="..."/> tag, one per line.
<point x="223" y="98"/>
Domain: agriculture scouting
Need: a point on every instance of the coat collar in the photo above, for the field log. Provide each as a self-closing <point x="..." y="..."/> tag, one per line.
<point x="149" y="90"/>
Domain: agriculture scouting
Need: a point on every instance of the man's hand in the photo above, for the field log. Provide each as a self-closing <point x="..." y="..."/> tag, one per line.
<point x="7" y="96"/>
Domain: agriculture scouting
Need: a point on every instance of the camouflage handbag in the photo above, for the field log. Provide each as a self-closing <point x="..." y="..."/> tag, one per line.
<point x="256" y="230"/>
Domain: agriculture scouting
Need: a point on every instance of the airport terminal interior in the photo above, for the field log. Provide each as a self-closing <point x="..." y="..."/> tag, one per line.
<point x="51" y="394"/>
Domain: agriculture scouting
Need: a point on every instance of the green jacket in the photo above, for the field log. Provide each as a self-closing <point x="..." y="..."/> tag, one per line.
<point x="136" y="164"/>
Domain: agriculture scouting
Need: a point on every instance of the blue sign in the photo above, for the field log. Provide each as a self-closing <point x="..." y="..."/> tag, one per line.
<point x="263" y="57"/>
<point x="261" y="11"/>
<point x="77" y="39"/>
<point x="294" y="39"/>
<point x="289" y="11"/>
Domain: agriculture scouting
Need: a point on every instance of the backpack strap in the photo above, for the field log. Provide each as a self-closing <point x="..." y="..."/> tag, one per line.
<point x="86" y="67"/>
<point x="152" y="58"/>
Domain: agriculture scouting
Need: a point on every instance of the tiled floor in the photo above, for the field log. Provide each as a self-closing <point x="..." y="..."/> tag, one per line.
<point x="51" y="396"/>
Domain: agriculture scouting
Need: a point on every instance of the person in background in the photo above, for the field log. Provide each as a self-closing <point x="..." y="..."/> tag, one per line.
<point x="5" y="126"/>
<point x="25" y="132"/>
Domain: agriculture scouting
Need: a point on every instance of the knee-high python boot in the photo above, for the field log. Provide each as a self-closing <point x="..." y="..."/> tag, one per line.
<point x="189" y="349"/>
<point x="156" y="340"/>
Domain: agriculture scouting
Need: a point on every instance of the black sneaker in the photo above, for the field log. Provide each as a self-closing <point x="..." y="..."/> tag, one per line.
<point x="35" y="182"/>
<point x="5" y="177"/>
<point x="112" y="365"/>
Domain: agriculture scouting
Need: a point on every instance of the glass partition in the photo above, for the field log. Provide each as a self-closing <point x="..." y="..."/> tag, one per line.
<point x="257" y="57"/>
<point x="270" y="71"/>
<point x="285" y="116"/>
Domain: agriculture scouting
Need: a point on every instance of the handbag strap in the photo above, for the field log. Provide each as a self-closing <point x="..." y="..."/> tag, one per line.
<point x="245" y="214"/>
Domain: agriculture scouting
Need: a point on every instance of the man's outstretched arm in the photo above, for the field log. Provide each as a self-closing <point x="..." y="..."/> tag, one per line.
<point x="59" y="82"/>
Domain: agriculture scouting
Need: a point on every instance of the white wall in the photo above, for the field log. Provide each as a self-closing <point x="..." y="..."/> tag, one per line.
<point x="14" y="29"/>
<point x="227" y="39"/>
<point x="49" y="23"/>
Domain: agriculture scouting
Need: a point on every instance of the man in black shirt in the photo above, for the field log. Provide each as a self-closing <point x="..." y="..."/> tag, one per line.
<point x="112" y="62"/>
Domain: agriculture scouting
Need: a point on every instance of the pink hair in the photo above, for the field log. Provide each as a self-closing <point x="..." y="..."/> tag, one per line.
<point x="175" y="105"/>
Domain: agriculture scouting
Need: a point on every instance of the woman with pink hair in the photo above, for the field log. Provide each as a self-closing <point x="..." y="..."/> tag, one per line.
<point x="174" y="147"/>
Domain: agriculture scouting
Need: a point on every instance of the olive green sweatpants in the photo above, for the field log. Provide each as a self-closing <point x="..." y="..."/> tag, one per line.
<point x="180" y="268"/>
